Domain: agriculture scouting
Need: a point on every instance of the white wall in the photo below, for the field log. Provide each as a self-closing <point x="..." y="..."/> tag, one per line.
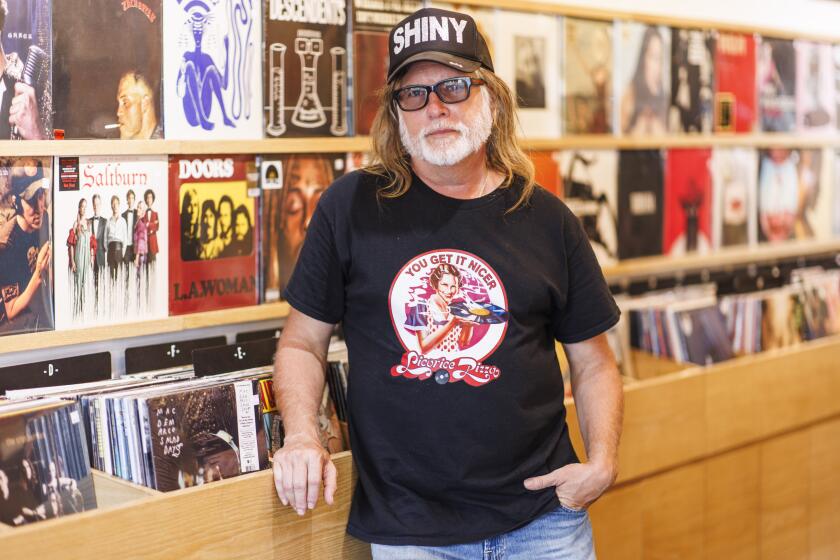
<point x="821" y="17"/>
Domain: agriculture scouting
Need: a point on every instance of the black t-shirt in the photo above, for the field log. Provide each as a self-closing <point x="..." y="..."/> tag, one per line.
<point x="450" y="311"/>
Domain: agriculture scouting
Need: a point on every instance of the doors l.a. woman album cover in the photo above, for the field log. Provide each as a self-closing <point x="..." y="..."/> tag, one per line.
<point x="214" y="203"/>
<point x="306" y="68"/>
<point x="107" y="69"/>
<point x="26" y="246"/>
<point x="26" y="37"/>
<point x="213" y="69"/>
<point x="112" y="242"/>
<point x="291" y="185"/>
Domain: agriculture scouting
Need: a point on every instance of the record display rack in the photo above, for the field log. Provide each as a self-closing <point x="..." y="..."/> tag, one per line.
<point x="772" y="418"/>
<point x="10" y="148"/>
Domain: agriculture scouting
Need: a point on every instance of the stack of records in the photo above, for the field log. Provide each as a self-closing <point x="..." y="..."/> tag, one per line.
<point x="44" y="468"/>
<point x="685" y="326"/>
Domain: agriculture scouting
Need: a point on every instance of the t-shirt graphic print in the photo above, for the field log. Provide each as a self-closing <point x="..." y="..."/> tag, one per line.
<point x="449" y="310"/>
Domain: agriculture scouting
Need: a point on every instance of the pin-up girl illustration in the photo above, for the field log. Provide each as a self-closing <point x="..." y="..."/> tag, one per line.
<point x="452" y="318"/>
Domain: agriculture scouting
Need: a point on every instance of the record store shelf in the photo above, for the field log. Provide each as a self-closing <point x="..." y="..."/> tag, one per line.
<point x="11" y="148"/>
<point x="778" y="408"/>
<point x="647" y="267"/>
<point x="52" y="339"/>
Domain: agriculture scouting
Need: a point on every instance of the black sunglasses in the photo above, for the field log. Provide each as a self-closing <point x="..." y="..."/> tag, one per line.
<point x="450" y="90"/>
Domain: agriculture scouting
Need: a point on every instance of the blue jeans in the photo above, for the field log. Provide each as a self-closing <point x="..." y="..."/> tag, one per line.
<point x="561" y="534"/>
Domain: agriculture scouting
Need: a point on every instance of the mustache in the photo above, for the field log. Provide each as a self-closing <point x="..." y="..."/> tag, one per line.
<point x="434" y="127"/>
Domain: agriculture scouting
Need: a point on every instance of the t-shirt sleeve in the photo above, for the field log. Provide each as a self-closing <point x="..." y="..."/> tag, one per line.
<point x="316" y="287"/>
<point x="589" y="308"/>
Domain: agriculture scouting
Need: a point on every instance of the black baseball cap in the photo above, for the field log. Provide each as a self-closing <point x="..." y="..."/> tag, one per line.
<point x="449" y="38"/>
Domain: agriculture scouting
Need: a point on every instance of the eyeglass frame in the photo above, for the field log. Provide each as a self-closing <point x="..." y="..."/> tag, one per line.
<point x="433" y="88"/>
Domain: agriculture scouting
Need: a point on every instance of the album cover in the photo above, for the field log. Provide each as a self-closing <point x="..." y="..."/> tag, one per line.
<point x="206" y="434"/>
<point x="792" y="202"/>
<point x="113" y="248"/>
<point x="589" y="190"/>
<point x="815" y="88"/>
<point x="26" y="245"/>
<point x="371" y="24"/>
<point x="692" y="80"/>
<point x="640" y="185"/>
<point x="643" y="58"/>
<point x="735" y="180"/>
<point x="44" y="467"/>
<point x="588" y="76"/>
<point x="735" y="95"/>
<point x="26" y="38"/>
<point x="526" y="58"/>
<point x="107" y="68"/>
<point x="213" y="69"/>
<point x="306" y="70"/>
<point x="776" y="84"/>
<point x="688" y="202"/>
<point x="291" y="188"/>
<point x="779" y="325"/>
<point x="703" y="334"/>
<point x="214" y="231"/>
<point x="547" y="171"/>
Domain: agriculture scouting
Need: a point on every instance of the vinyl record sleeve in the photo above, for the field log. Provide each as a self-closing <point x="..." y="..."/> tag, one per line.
<point x="371" y="24"/>
<point x="214" y="233"/>
<point x="26" y="237"/>
<point x="107" y="68"/>
<point x="306" y="69"/>
<point x="111" y="256"/>
<point x="291" y="188"/>
<point x="643" y="78"/>
<point x="526" y="57"/>
<point x="735" y="94"/>
<point x="687" y="226"/>
<point x="815" y="88"/>
<point x="27" y="39"/>
<point x="213" y="69"/>
<point x="776" y="84"/>
<point x="45" y="465"/>
<point x="590" y="190"/>
<point x="640" y="203"/>
<point x="587" y="76"/>
<point x="692" y="80"/>
<point x="735" y="184"/>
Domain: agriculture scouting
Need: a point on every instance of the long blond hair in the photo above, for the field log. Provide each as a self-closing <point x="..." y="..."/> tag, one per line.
<point x="390" y="160"/>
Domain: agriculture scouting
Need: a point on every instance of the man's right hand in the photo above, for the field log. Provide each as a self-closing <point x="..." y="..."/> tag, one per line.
<point x="299" y="468"/>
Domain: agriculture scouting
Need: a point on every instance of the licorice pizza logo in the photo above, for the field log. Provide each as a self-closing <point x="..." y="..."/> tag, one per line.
<point x="449" y="310"/>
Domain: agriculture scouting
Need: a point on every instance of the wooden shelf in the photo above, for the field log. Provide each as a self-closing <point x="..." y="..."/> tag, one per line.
<point x="52" y="339"/>
<point x="608" y="15"/>
<point x="720" y="259"/>
<point x="678" y="430"/>
<point x="10" y="148"/>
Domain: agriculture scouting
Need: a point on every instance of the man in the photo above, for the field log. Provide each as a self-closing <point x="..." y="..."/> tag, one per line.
<point x="225" y="221"/>
<point x="130" y="217"/>
<point x="116" y="234"/>
<point x="136" y="109"/>
<point x="25" y="295"/>
<point x="97" y="225"/>
<point x="153" y="223"/>
<point x="20" y="115"/>
<point x="462" y="448"/>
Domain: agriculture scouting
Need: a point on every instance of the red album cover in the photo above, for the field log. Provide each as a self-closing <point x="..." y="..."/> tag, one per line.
<point x="688" y="202"/>
<point x="213" y="233"/>
<point x="547" y="167"/>
<point x="735" y="95"/>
